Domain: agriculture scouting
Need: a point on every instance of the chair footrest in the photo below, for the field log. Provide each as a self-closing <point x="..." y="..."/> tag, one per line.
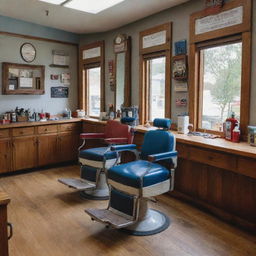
<point x="78" y="184"/>
<point x="109" y="218"/>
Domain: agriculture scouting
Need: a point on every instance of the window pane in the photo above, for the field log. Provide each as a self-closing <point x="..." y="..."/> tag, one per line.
<point x="221" y="86"/>
<point x="93" y="75"/>
<point x="156" y="101"/>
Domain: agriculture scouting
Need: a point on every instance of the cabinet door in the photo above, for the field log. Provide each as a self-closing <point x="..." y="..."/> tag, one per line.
<point x="24" y="153"/>
<point x="68" y="146"/>
<point x="47" y="149"/>
<point x="5" y="156"/>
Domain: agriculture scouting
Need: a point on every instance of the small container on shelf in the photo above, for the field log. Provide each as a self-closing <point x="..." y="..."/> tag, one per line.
<point x="252" y="135"/>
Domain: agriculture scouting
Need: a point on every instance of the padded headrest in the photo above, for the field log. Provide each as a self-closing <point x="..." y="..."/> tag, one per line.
<point x="162" y="123"/>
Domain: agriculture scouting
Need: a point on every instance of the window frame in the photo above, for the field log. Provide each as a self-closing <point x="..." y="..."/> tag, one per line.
<point x="242" y="33"/>
<point x="151" y="53"/>
<point x="85" y="64"/>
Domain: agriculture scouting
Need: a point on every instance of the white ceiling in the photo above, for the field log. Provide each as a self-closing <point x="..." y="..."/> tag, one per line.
<point x="80" y="22"/>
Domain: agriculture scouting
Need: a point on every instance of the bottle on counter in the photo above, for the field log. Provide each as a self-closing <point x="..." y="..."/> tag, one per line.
<point x="236" y="134"/>
<point x="229" y="125"/>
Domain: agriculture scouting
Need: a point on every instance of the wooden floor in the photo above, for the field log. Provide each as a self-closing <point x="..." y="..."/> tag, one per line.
<point x="49" y="220"/>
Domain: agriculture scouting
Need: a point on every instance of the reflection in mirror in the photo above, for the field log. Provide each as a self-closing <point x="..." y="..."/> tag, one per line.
<point x="122" y="49"/>
<point x="120" y="79"/>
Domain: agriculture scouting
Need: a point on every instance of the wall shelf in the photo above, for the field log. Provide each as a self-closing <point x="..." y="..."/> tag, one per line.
<point x="58" y="66"/>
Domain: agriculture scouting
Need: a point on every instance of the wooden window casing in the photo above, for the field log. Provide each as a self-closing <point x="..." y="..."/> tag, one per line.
<point x="238" y="33"/>
<point x="84" y="65"/>
<point x="146" y="54"/>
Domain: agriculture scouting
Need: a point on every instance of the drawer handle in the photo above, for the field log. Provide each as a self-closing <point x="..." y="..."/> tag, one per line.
<point x="21" y="132"/>
<point x="45" y="129"/>
<point x="9" y="225"/>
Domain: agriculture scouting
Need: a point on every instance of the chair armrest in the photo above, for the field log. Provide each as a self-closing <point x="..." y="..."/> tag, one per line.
<point x="126" y="147"/>
<point x="162" y="156"/>
<point x="85" y="136"/>
<point x="117" y="140"/>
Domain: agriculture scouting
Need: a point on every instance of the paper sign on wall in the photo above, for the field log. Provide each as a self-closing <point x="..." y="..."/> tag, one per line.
<point x="155" y="39"/>
<point x="91" y="53"/>
<point x="222" y="20"/>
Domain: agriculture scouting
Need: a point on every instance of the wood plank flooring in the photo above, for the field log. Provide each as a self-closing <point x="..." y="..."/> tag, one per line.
<point x="49" y="220"/>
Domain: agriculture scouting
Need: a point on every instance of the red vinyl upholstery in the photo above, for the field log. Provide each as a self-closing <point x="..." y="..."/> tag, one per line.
<point x="115" y="133"/>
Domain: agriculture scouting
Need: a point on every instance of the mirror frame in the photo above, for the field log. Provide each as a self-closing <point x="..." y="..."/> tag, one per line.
<point x="122" y="44"/>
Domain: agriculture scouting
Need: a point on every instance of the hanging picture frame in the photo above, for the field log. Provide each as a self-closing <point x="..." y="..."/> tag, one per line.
<point x="179" y="68"/>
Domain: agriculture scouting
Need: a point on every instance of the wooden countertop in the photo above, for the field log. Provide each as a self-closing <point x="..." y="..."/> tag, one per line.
<point x="241" y="148"/>
<point x="26" y="124"/>
<point x="4" y="198"/>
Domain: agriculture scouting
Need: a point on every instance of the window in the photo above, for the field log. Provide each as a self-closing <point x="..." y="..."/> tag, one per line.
<point x="91" y="69"/>
<point x="220" y="88"/>
<point x="220" y="69"/>
<point x="156" y="87"/>
<point x="94" y="78"/>
<point x="155" y="73"/>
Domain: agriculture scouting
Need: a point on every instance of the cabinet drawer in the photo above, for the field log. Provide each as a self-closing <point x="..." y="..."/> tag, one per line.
<point x="213" y="158"/>
<point x="4" y="133"/>
<point x="47" y="129"/>
<point x="23" y="131"/>
<point x="69" y="127"/>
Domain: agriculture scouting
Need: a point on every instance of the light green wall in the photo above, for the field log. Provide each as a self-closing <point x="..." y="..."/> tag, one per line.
<point x="179" y="16"/>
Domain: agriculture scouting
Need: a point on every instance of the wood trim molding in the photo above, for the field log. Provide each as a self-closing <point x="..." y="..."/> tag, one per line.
<point x="240" y="28"/>
<point x="151" y="52"/>
<point x="98" y="61"/>
<point x="167" y="46"/>
<point x="36" y="38"/>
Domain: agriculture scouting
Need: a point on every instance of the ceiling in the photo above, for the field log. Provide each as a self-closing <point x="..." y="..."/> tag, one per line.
<point x="80" y="22"/>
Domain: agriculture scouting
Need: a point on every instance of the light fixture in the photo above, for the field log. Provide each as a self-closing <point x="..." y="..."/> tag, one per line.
<point x="91" y="6"/>
<point x="53" y="1"/>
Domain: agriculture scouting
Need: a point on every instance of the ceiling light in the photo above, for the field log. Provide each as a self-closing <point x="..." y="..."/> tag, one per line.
<point x="91" y="6"/>
<point x="53" y="1"/>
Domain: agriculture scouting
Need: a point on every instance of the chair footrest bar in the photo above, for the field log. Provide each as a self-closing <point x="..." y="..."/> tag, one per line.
<point x="78" y="184"/>
<point x="109" y="218"/>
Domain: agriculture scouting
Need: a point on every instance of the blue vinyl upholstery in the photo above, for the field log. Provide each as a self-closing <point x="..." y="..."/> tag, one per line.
<point x="97" y="154"/>
<point x="89" y="173"/>
<point x="131" y="174"/>
<point x="156" y="142"/>
<point x="162" y="123"/>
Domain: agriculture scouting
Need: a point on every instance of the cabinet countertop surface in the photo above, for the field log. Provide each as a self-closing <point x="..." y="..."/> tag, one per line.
<point x="220" y="144"/>
<point x="27" y="124"/>
<point x="242" y="148"/>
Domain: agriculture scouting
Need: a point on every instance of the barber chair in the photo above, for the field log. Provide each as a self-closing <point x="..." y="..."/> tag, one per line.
<point x="133" y="184"/>
<point x="96" y="161"/>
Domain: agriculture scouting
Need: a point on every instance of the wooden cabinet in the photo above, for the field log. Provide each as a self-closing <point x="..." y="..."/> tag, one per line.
<point x="22" y="78"/>
<point x="5" y="156"/>
<point x="38" y="144"/>
<point x="4" y="201"/>
<point x="24" y="152"/>
<point x="68" y="146"/>
<point x="48" y="149"/>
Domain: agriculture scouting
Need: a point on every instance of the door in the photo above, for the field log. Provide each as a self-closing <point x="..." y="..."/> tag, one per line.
<point x="24" y="153"/>
<point x="47" y="149"/>
<point x="5" y="156"/>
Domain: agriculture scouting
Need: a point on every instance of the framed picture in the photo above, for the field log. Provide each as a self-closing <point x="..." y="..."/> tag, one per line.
<point x="180" y="68"/>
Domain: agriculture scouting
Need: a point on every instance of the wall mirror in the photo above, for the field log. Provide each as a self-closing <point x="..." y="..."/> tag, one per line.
<point x="122" y="49"/>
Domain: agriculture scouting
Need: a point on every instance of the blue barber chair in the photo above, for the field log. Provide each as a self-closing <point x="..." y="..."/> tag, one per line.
<point x="96" y="161"/>
<point x="132" y="184"/>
